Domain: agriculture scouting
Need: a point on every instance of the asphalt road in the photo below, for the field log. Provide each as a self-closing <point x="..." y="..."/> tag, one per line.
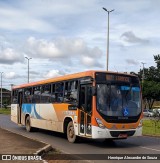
<point x="133" y="145"/>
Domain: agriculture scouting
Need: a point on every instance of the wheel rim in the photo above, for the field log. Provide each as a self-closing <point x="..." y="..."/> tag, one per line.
<point x="71" y="132"/>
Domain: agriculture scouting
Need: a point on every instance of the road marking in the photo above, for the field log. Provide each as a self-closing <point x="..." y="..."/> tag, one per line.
<point x="150" y="149"/>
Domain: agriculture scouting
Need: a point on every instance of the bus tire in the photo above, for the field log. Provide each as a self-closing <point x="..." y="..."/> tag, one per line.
<point x="70" y="133"/>
<point x="28" y="124"/>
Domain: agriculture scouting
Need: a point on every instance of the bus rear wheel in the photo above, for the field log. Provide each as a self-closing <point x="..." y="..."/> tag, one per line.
<point x="70" y="133"/>
<point x="28" y="124"/>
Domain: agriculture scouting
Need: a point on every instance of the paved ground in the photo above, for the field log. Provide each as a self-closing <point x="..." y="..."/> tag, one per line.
<point x="136" y="145"/>
<point x="11" y="143"/>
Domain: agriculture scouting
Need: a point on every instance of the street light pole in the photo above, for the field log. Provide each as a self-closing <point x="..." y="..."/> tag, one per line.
<point x="28" y="67"/>
<point x="1" y="89"/>
<point x="107" y="36"/>
<point x="11" y="91"/>
<point x="143" y="74"/>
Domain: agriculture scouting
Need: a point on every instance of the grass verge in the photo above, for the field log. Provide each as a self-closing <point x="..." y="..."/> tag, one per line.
<point x="151" y="127"/>
<point x="5" y="111"/>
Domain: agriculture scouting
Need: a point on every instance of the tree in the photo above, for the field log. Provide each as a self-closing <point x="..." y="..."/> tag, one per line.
<point x="157" y="60"/>
<point x="151" y="84"/>
<point x="151" y="92"/>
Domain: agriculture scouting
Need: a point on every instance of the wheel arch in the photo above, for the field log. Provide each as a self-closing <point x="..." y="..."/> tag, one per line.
<point x="65" y="123"/>
<point x="27" y="115"/>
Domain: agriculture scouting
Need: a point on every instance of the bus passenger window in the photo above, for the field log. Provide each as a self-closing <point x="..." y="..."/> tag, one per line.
<point x="27" y="95"/>
<point x="46" y="94"/>
<point x="58" y="94"/>
<point x="59" y="87"/>
<point x="36" y="94"/>
<point x="70" y="94"/>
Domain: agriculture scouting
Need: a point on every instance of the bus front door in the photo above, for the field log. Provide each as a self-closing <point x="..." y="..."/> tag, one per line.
<point x="86" y="110"/>
<point x="19" y="111"/>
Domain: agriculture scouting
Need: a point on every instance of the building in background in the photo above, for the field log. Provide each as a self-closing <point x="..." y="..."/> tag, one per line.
<point x="6" y="97"/>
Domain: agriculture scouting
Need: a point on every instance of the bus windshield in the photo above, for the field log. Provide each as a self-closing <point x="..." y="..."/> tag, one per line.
<point x="118" y="99"/>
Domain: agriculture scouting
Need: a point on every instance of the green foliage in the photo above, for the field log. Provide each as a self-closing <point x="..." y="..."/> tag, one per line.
<point x="151" y="84"/>
<point x="5" y="111"/>
<point x="157" y="60"/>
<point x="151" y="127"/>
<point x="151" y="89"/>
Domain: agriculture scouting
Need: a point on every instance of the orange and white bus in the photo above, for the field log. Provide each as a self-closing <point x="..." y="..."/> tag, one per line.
<point x="91" y="104"/>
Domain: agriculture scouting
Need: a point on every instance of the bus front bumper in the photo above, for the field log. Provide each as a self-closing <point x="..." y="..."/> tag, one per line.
<point x="100" y="133"/>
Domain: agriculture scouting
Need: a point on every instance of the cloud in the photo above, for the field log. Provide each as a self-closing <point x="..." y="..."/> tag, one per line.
<point x="45" y="16"/>
<point x="130" y="37"/>
<point x="90" y="62"/>
<point x="43" y="49"/>
<point x="58" y="48"/>
<point x="132" y="62"/>
<point x="34" y="72"/>
<point x="66" y="35"/>
<point x="53" y="73"/>
<point x="10" y="56"/>
<point x="10" y="75"/>
<point x="64" y="49"/>
<point x="18" y="19"/>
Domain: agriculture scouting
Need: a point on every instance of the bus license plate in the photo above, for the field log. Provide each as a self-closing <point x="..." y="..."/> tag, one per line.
<point x="123" y="136"/>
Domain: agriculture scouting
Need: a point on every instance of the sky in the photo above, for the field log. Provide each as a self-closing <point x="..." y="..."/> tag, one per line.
<point x="70" y="36"/>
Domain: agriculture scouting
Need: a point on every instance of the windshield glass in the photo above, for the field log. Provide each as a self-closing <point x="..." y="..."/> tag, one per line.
<point x="118" y="100"/>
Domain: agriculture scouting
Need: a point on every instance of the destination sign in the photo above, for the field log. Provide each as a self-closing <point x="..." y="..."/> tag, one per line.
<point x="103" y="77"/>
<point x="111" y="77"/>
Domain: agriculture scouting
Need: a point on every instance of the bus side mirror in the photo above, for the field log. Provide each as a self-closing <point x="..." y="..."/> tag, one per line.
<point x="94" y="91"/>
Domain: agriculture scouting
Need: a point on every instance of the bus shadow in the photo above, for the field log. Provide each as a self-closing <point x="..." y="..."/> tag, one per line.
<point x="52" y="133"/>
<point x="100" y="143"/>
<point x="130" y="142"/>
<point x="46" y="132"/>
<point x="105" y="143"/>
<point x="108" y="143"/>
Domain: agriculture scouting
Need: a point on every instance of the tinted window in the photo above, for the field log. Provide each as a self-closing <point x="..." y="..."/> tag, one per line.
<point x="27" y="95"/>
<point x="83" y="97"/>
<point x="89" y="99"/>
<point x="57" y="94"/>
<point x="70" y="94"/>
<point x="46" y="93"/>
<point x="36" y="94"/>
<point x="118" y="100"/>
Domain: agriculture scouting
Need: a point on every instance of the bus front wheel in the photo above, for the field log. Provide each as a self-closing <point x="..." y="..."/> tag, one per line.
<point x="70" y="133"/>
<point x="28" y="124"/>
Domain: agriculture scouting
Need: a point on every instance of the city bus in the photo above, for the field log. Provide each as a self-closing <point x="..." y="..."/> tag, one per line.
<point x="91" y="104"/>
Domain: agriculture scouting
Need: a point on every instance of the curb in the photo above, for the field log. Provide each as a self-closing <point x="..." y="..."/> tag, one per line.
<point x="41" y="151"/>
<point x="147" y="135"/>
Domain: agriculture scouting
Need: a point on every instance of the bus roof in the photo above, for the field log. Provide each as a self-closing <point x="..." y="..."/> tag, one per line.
<point x="65" y="77"/>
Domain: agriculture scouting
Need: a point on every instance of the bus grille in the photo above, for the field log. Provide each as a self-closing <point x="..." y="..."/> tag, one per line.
<point x="117" y="133"/>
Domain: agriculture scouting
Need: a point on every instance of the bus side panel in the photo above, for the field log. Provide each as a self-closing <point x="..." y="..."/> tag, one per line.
<point x="14" y="113"/>
<point x="41" y="115"/>
<point x="62" y="110"/>
<point x="49" y="116"/>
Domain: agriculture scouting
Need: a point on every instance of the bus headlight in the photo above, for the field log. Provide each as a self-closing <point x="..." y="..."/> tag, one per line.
<point x="100" y="124"/>
<point x="140" y="123"/>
